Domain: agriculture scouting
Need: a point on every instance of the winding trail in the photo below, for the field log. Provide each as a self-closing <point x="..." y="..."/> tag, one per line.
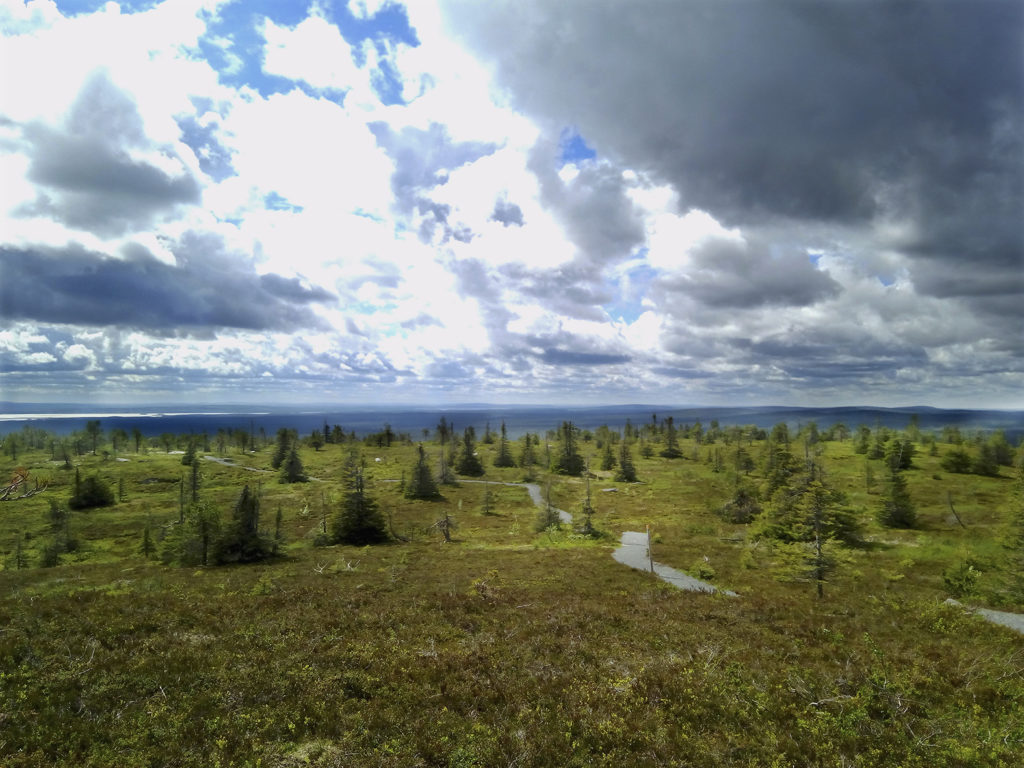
<point x="1014" y="621"/>
<point x="229" y="463"/>
<point x="633" y="552"/>
<point x="535" y="496"/>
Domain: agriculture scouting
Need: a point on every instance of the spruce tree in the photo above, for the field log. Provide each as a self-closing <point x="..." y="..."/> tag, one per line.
<point x="284" y="440"/>
<point x="316" y="439"/>
<point x="488" y="503"/>
<point x="197" y="540"/>
<point x="896" y="509"/>
<point x="588" y="528"/>
<point x="671" y="450"/>
<point x="504" y="455"/>
<point x="90" y="492"/>
<point x="292" y="470"/>
<point x="568" y="461"/>
<point x="242" y="541"/>
<point x="469" y="463"/>
<point x="422" y="485"/>
<point x="627" y="472"/>
<point x="359" y="520"/>
<point x="445" y="476"/>
<point x="608" y="456"/>
<point x="548" y="517"/>
<point x="806" y="508"/>
<point x="527" y="457"/>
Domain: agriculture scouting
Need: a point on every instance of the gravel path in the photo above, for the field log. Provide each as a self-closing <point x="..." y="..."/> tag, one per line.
<point x="633" y="552"/>
<point x="1014" y="621"/>
<point x="230" y="463"/>
<point x="535" y="496"/>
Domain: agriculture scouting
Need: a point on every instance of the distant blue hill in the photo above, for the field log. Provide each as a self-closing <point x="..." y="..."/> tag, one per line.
<point x="155" y="420"/>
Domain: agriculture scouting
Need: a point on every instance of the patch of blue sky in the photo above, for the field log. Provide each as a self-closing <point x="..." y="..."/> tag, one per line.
<point x="366" y="308"/>
<point x="365" y="214"/>
<point x="234" y="44"/>
<point x="629" y="289"/>
<point x="815" y="258"/>
<point x="79" y="7"/>
<point x="389" y="23"/>
<point x="214" y="158"/>
<point x="275" y="202"/>
<point x="387" y="84"/>
<point x="886" y="280"/>
<point x="573" y="148"/>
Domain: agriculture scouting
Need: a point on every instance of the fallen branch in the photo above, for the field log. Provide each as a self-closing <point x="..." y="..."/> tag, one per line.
<point x="19" y="482"/>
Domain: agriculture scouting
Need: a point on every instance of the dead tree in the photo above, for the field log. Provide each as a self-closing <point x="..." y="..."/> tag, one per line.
<point x="18" y="484"/>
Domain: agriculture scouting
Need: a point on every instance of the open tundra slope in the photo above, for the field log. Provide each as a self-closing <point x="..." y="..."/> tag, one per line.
<point x="511" y="644"/>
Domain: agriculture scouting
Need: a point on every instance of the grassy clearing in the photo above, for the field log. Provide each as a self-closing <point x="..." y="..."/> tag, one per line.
<point x="507" y="646"/>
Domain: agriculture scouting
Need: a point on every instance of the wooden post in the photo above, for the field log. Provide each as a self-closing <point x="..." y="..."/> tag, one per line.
<point x="650" y="555"/>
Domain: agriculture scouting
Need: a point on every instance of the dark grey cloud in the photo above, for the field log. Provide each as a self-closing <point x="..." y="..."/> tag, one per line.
<point x="555" y="356"/>
<point x="575" y="289"/>
<point x="421" y="320"/>
<point x="680" y="373"/>
<point x="209" y="287"/>
<point x="293" y="289"/>
<point x="562" y="291"/>
<point x="845" y="113"/>
<point x="88" y="176"/>
<point x="598" y="216"/>
<point x="423" y="159"/>
<point x="507" y="213"/>
<point x="729" y="273"/>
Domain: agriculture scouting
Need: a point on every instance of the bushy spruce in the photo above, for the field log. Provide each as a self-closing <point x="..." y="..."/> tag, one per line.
<point x="568" y="461"/>
<point x="504" y="455"/>
<point x="607" y="457"/>
<point x="627" y="470"/>
<point x="671" y="450"/>
<point x="421" y="484"/>
<point x="281" y="448"/>
<point x="742" y="507"/>
<point x="359" y="520"/>
<point x="292" y="470"/>
<point x="469" y="463"/>
<point x="242" y="541"/>
<point x="896" y="509"/>
<point x="90" y="492"/>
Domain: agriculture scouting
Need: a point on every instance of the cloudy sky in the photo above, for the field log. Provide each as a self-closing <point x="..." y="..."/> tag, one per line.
<point x="661" y="201"/>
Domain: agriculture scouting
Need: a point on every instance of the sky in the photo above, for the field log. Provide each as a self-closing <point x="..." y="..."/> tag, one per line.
<point x="582" y="202"/>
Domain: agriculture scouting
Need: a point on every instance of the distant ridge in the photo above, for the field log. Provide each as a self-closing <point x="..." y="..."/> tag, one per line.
<point x="155" y="420"/>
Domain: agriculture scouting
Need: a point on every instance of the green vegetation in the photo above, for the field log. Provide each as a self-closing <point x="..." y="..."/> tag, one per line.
<point x="243" y="621"/>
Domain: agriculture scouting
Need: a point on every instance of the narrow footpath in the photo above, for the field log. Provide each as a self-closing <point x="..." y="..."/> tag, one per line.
<point x="634" y="553"/>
